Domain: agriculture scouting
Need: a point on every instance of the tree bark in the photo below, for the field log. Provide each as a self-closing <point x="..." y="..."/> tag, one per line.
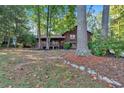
<point x="47" y="34"/>
<point x="38" y="25"/>
<point x="16" y="29"/>
<point x="82" y="40"/>
<point x="8" y="42"/>
<point x="105" y="21"/>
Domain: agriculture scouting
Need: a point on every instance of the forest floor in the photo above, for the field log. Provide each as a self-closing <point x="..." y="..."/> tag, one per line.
<point x="21" y="68"/>
<point x="108" y="66"/>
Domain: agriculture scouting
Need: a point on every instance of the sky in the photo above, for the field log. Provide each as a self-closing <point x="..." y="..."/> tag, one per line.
<point x="97" y="8"/>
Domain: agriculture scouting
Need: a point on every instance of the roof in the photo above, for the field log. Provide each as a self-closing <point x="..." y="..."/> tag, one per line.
<point x="53" y="37"/>
<point x="72" y="30"/>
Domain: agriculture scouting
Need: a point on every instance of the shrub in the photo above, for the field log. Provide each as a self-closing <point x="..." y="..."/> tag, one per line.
<point x="27" y="39"/>
<point x="19" y="45"/>
<point x="117" y="45"/>
<point x="100" y="46"/>
<point x="67" y="45"/>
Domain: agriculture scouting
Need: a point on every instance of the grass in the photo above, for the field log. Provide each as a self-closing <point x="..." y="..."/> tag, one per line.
<point x="43" y="73"/>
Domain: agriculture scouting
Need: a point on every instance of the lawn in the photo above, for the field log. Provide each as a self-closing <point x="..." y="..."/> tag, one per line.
<point x="31" y="68"/>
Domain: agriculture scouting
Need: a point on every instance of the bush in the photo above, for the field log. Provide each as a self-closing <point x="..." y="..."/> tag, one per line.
<point x="27" y="39"/>
<point x="19" y="45"/>
<point x="67" y="45"/>
<point x="117" y="45"/>
<point x="98" y="49"/>
<point x="100" y="46"/>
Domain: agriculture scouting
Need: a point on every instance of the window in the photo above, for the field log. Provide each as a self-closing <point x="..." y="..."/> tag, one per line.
<point x="72" y="36"/>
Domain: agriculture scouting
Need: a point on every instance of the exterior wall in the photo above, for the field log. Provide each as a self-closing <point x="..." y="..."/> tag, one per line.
<point x="54" y="43"/>
<point x="71" y="36"/>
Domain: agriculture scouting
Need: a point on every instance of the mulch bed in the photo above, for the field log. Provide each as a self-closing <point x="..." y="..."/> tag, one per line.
<point x="107" y="66"/>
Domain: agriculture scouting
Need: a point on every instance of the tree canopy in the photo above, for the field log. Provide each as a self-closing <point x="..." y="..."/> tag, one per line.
<point x="21" y="22"/>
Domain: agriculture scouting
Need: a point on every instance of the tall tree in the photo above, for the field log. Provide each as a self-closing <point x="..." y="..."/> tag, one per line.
<point x="38" y="25"/>
<point x="13" y="22"/>
<point x="105" y="21"/>
<point x="48" y="24"/>
<point x="82" y="41"/>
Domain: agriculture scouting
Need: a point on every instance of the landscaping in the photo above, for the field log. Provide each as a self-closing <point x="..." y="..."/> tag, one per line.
<point x="108" y="67"/>
<point x="21" y="68"/>
<point x="49" y="46"/>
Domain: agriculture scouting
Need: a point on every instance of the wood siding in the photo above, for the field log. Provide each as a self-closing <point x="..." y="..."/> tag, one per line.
<point x="58" y="41"/>
<point x="71" y="36"/>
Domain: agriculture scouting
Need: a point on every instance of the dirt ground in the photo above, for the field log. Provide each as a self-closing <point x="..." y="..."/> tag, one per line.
<point x="40" y="68"/>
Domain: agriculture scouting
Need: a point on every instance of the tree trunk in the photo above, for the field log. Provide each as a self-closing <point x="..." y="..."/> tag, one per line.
<point x="105" y="21"/>
<point x="8" y="42"/>
<point x="38" y="25"/>
<point x="47" y="34"/>
<point x="16" y="29"/>
<point x="82" y="40"/>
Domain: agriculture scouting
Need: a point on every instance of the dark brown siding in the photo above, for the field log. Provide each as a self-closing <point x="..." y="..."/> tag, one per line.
<point x="72" y="33"/>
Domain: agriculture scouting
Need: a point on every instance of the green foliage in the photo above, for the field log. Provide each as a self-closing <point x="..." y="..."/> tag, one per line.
<point x="61" y="18"/>
<point x="117" y="20"/>
<point x="27" y="39"/>
<point x="13" y="21"/>
<point x="1" y="39"/>
<point x="98" y="45"/>
<point x="19" y="45"/>
<point x="115" y="40"/>
<point x="117" y="45"/>
<point x="67" y="45"/>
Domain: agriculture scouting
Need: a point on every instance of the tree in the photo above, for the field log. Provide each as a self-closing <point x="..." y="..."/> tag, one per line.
<point x="117" y="21"/>
<point x="82" y="41"/>
<point x="105" y="21"/>
<point x="13" y="22"/>
<point x="62" y="18"/>
<point x="93" y="20"/>
<point x="38" y="25"/>
<point x="48" y="24"/>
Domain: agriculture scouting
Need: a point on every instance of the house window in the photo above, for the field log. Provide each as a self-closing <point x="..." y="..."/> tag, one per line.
<point x="72" y="36"/>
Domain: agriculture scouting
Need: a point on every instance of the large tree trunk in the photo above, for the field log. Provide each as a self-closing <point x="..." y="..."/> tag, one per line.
<point x="105" y="21"/>
<point x="47" y="34"/>
<point x="38" y="25"/>
<point x="82" y="41"/>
